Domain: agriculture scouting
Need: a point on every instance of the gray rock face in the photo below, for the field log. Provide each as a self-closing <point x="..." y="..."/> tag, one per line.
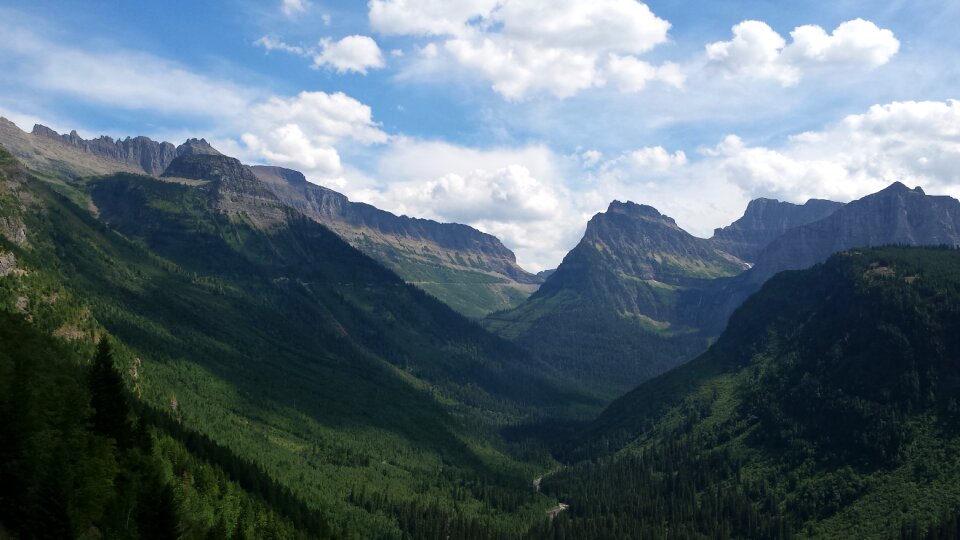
<point x="13" y="229"/>
<point x="764" y="221"/>
<point x="632" y="242"/>
<point x="140" y="152"/>
<point x="196" y="147"/>
<point x="611" y="315"/>
<point x="8" y="264"/>
<point x="354" y="220"/>
<point x="895" y="215"/>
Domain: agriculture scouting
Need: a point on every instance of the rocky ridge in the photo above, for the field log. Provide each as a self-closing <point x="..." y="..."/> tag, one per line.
<point x="764" y="221"/>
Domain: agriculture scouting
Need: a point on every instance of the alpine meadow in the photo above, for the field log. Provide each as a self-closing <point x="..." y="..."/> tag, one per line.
<point x="479" y="269"/>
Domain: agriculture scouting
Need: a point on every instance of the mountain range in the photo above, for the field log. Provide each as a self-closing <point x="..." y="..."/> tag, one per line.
<point x="329" y="369"/>
<point x="469" y="270"/>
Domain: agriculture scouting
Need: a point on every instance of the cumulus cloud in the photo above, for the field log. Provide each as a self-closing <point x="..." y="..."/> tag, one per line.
<point x="352" y="53"/>
<point x="560" y="47"/>
<point x="303" y="131"/>
<point x="517" y="194"/>
<point x="426" y="17"/>
<point x="655" y="159"/>
<point x="913" y="142"/>
<point x="757" y="51"/>
<point x="632" y="74"/>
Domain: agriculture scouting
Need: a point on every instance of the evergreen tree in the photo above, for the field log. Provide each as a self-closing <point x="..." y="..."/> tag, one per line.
<point x="108" y="398"/>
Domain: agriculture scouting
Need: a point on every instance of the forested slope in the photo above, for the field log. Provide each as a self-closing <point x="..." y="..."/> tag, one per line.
<point x="827" y="409"/>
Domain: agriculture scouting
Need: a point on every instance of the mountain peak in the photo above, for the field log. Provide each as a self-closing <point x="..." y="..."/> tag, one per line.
<point x="192" y="147"/>
<point x="901" y="188"/>
<point x="764" y="221"/>
<point x="633" y="209"/>
<point x="279" y="175"/>
<point x="212" y="167"/>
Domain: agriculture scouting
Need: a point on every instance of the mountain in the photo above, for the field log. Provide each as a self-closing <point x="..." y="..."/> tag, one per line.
<point x="315" y="375"/>
<point x="764" y="221"/>
<point x="896" y="215"/>
<point x="70" y="156"/>
<point x="142" y="153"/>
<point x="471" y="271"/>
<point x="826" y="409"/>
<point x="612" y="313"/>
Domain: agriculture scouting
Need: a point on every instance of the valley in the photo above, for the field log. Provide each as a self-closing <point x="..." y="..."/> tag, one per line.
<point x="269" y="332"/>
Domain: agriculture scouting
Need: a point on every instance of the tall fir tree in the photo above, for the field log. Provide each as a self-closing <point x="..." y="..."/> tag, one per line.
<point x="108" y="398"/>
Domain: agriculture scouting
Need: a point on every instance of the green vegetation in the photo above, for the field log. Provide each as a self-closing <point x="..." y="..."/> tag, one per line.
<point x="375" y="406"/>
<point x="75" y="463"/>
<point x="622" y="307"/>
<point x="471" y="293"/>
<point x="828" y="409"/>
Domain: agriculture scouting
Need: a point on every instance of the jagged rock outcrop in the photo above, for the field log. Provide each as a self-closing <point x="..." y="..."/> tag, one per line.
<point x="13" y="229"/>
<point x="471" y="270"/>
<point x="8" y="264"/>
<point x="237" y="190"/>
<point x="150" y="156"/>
<point x="764" y="221"/>
<point x="196" y="147"/>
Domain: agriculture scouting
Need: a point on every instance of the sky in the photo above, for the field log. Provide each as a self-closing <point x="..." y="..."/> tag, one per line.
<point x="522" y="118"/>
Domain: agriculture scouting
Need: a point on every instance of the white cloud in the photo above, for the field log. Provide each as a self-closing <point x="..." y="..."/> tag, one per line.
<point x="913" y="142"/>
<point x="525" y="47"/>
<point x="293" y="7"/>
<point x="303" y="131"/>
<point x="759" y="52"/>
<point x="118" y="78"/>
<point x="517" y="194"/>
<point x="271" y="43"/>
<point x="654" y="159"/>
<point x="352" y="53"/>
<point x="426" y="17"/>
<point x="632" y="74"/>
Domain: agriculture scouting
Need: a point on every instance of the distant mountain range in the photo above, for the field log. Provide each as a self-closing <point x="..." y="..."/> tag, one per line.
<point x="764" y="221"/>
<point x="639" y="296"/>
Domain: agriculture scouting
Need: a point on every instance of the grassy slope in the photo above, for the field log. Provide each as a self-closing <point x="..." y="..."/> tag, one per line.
<point x="470" y="291"/>
<point x="253" y="359"/>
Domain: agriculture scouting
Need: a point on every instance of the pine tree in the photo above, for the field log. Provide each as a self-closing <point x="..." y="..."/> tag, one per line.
<point x="108" y="398"/>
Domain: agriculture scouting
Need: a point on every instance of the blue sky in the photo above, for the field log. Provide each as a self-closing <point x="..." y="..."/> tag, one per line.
<point x="519" y="117"/>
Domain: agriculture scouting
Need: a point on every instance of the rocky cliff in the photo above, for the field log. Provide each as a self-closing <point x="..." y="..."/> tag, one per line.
<point x="764" y="221"/>
<point x="610" y="315"/>
<point x="150" y="156"/>
<point x="470" y="270"/>
<point x="896" y="215"/>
